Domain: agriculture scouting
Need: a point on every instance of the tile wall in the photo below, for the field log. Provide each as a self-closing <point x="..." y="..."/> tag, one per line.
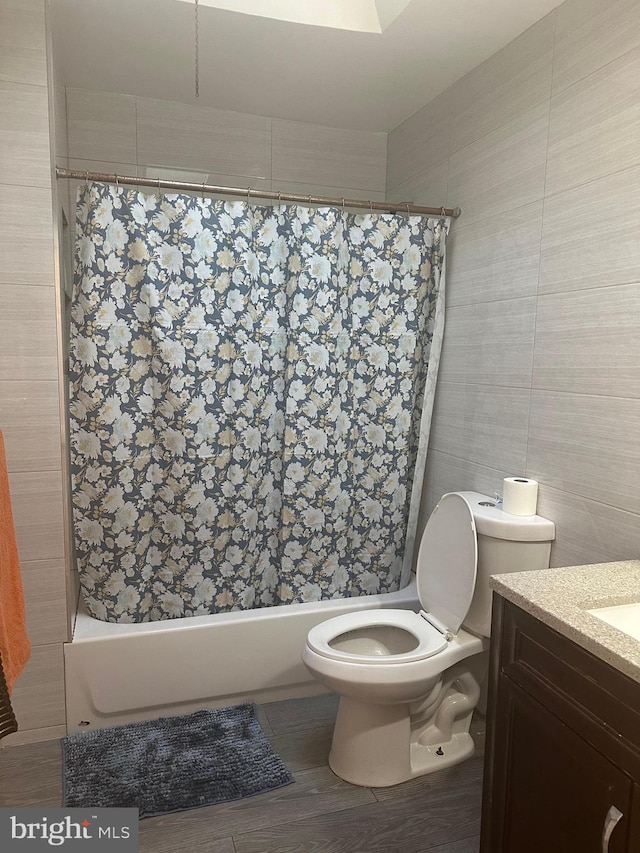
<point x="29" y="362"/>
<point x="155" y="138"/>
<point x="540" y="147"/>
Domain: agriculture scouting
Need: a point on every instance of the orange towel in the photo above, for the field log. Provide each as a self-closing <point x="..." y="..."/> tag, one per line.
<point x="15" y="647"/>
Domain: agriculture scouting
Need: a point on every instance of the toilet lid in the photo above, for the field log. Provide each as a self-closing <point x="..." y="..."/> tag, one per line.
<point x="447" y="562"/>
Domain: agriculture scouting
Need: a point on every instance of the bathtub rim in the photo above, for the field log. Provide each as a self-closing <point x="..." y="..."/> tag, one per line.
<point x="87" y="628"/>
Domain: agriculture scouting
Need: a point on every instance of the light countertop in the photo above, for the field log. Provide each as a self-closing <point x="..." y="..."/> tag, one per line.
<point x="561" y="597"/>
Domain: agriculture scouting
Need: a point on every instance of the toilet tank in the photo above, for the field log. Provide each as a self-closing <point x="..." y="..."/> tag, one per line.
<point x="506" y="543"/>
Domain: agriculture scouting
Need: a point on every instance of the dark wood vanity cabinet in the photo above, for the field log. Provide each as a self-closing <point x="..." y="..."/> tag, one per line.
<point x="562" y="771"/>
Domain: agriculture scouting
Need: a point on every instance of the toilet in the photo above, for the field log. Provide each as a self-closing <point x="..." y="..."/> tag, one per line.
<point x="409" y="682"/>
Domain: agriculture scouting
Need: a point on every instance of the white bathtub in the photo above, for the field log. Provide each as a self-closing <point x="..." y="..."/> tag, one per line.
<point x="115" y="673"/>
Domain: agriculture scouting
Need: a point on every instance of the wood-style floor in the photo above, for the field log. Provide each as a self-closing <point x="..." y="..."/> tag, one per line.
<point x="318" y="813"/>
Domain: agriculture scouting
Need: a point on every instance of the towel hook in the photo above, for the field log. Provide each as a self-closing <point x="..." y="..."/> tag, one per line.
<point x="248" y="194"/>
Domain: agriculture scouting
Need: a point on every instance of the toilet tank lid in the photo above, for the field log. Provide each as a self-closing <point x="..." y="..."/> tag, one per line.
<point x="494" y="521"/>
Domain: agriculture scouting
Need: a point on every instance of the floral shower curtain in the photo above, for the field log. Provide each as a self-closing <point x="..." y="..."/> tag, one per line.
<point x="246" y="400"/>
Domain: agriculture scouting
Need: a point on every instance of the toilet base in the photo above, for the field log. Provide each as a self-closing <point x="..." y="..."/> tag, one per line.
<point x="370" y="742"/>
<point x="429" y="759"/>
<point x="371" y="746"/>
<point x="376" y="745"/>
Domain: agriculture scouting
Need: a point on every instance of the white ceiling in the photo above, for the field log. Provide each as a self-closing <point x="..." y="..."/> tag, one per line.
<point x="325" y="75"/>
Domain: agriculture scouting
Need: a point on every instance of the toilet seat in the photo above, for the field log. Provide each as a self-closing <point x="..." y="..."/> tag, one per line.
<point x="446" y="577"/>
<point x="429" y="640"/>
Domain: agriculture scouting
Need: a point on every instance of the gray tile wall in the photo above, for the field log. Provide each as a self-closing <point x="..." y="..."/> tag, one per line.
<point x="29" y="368"/>
<point x="540" y="375"/>
<point x="134" y="135"/>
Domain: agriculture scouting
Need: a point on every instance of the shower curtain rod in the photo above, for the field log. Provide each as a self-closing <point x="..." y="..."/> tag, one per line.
<point x="248" y="192"/>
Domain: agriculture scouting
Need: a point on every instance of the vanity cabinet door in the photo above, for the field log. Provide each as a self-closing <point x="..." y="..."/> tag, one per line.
<point x="552" y="792"/>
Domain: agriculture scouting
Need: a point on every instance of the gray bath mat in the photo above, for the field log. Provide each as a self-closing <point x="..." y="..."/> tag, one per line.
<point x="172" y="763"/>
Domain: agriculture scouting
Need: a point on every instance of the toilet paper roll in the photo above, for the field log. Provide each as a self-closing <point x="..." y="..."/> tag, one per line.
<point x="519" y="496"/>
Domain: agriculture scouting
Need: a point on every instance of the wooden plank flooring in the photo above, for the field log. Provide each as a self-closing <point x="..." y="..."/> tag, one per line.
<point x="318" y="813"/>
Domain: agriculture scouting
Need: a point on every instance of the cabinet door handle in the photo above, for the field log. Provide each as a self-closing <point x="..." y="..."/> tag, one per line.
<point x="610" y="822"/>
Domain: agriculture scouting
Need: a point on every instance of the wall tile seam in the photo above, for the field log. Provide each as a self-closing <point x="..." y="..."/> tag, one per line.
<point x="532" y="474"/>
<point x="276" y="119"/>
<point x="43" y="186"/>
<point x="490" y="383"/>
<point x="477" y="384"/>
<point x="136" y="127"/>
<point x="573" y="26"/>
<point x="499" y="127"/>
<point x="601" y="177"/>
<point x="477" y="464"/>
<point x="550" y="294"/>
<point x="281" y="179"/>
<point x="334" y="186"/>
<point x="110" y="94"/>
<point x="58" y="730"/>
<point x="417" y="142"/>
<point x="507" y="46"/>
<point x="527" y="60"/>
<point x="201" y="107"/>
<point x="543" y="389"/>
<point x="23" y="82"/>
<point x="66" y="122"/>
<point x="555" y="92"/>
<point x="461" y="226"/>
<point x="483" y="465"/>
<point x="539" y="243"/>
<point x="4" y="283"/>
<point x="450" y="203"/>
<point x="423" y="171"/>
<point x="39" y="204"/>
<point x="44" y="646"/>
<point x="11" y="471"/>
<point x="33" y="185"/>
<point x="501" y="211"/>
<point x="544" y="486"/>
<point x="36" y="645"/>
<point x="469" y="304"/>
<point x="73" y="155"/>
<point x="601" y="397"/>
<point x="34" y="563"/>
<point x="455" y="305"/>
<point x="513" y="116"/>
<point x="442" y="94"/>
<point x="5" y="82"/>
<point x="144" y="166"/>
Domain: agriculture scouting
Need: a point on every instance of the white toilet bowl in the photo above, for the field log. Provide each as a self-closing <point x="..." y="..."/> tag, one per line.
<point x="409" y="682"/>
<point x="377" y="739"/>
